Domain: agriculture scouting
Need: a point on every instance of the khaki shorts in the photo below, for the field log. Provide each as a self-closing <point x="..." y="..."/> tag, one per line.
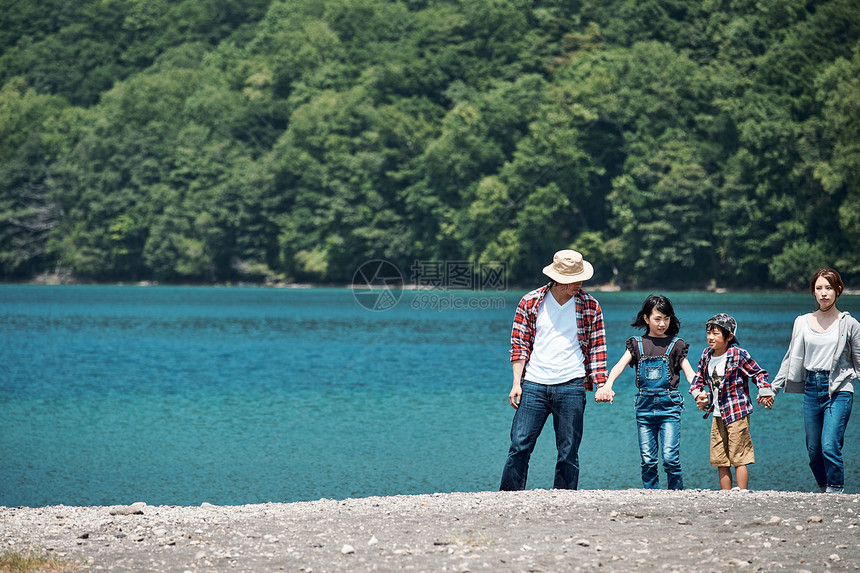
<point x="731" y="445"/>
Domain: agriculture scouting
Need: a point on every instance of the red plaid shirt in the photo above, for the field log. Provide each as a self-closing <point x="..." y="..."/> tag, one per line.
<point x="589" y="322"/>
<point x="734" y="396"/>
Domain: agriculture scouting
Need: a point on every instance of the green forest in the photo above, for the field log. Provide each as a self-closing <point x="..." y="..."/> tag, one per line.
<point x="675" y="143"/>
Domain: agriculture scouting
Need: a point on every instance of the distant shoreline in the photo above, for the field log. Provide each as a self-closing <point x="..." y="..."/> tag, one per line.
<point x="408" y="287"/>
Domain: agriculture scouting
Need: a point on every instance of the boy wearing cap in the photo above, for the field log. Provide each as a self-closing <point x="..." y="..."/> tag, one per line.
<point x="558" y="351"/>
<point x="726" y="368"/>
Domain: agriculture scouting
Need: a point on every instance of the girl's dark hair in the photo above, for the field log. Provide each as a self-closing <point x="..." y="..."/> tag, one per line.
<point x="662" y="304"/>
<point x="830" y="276"/>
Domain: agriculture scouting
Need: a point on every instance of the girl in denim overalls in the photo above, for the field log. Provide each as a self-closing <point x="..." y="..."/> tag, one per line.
<point x="659" y="357"/>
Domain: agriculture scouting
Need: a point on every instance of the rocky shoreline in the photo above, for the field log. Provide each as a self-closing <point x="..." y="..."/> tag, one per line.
<point x="535" y="530"/>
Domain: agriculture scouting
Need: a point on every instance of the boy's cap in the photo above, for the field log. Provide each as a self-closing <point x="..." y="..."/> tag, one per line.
<point x="724" y="321"/>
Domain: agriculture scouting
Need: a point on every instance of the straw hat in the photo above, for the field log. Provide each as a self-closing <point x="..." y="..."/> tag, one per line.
<point x="568" y="267"/>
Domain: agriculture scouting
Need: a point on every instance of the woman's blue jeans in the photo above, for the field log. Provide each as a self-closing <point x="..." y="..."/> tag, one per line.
<point x="566" y="403"/>
<point x="825" y="418"/>
<point x="658" y="418"/>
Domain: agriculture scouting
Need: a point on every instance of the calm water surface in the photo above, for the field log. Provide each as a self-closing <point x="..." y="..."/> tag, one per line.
<point x="165" y="395"/>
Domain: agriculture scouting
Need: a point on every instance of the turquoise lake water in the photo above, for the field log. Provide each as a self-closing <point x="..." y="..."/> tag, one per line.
<point x="166" y="395"/>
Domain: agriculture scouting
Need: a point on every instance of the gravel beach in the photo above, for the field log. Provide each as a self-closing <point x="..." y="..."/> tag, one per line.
<point x="535" y="530"/>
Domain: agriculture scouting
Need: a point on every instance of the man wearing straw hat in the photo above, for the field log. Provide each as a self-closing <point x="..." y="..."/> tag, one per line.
<point x="558" y="351"/>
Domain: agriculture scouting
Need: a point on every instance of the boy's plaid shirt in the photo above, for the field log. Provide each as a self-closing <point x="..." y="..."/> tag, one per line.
<point x="734" y="396"/>
<point x="589" y="322"/>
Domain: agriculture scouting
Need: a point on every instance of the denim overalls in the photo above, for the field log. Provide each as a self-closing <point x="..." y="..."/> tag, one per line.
<point x="658" y="413"/>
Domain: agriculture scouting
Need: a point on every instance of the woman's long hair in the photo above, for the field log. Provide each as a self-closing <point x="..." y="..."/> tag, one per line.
<point x="830" y="276"/>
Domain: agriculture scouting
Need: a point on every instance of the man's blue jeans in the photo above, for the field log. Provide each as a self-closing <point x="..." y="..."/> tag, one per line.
<point x="825" y="418"/>
<point x="658" y="418"/>
<point x="566" y="403"/>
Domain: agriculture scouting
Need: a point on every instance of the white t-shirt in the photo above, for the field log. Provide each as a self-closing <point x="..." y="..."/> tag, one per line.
<point x="556" y="356"/>
<point x="717" y="375"/>
<point x="819" y="347"/>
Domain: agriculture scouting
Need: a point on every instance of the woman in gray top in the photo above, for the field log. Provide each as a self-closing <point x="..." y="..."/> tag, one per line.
<point x="823" y="362"/>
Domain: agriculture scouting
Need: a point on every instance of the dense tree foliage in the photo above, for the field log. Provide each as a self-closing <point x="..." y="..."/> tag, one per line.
<point x="675" y="143"/>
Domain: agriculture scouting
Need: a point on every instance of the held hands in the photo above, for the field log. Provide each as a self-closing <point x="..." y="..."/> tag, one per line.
<point x="766" y="401"/>
<point x="702" y="401"/>
<point x="604" y="394"/>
